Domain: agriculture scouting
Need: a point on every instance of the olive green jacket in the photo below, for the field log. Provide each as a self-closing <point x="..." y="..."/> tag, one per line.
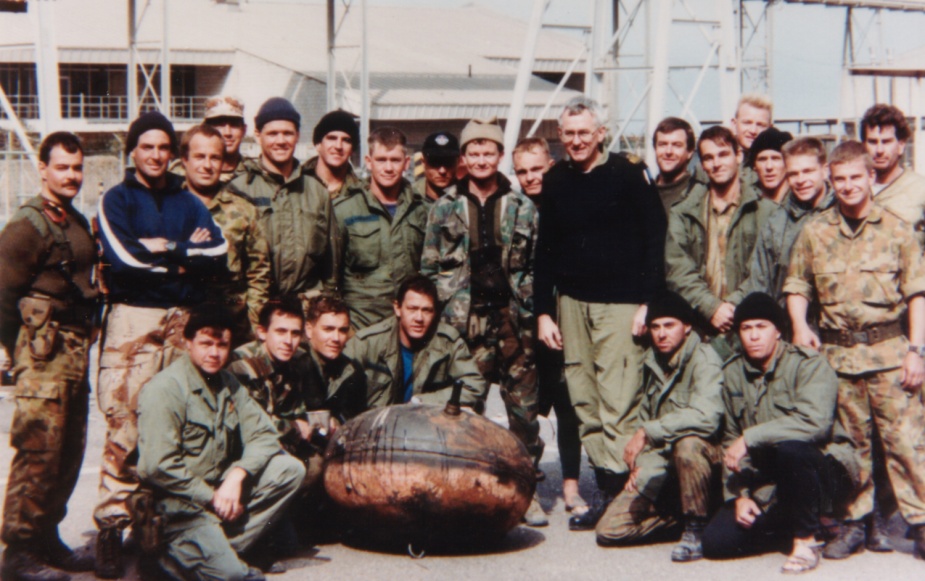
<point x="190" y="434"/>
<point x="378" y="252"/>
<point x="686" y="244"/>
<point x="794" y="399"/>
<point x="298" y="223"/>
<point x="444" y="359"/>
<point x="684" y="399"/>
<point x="316" y="184"/>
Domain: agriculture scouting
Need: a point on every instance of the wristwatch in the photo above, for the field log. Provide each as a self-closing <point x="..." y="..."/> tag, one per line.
<point x="171" y="246"/>
<point x="918" y="350"/>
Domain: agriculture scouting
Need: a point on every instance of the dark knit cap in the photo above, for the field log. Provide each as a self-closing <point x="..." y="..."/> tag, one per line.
<point x="669" y="304"/>
<point x="147" y="122"/>
<point x="337" y="121"/>
<point x="760" y="306"/>
<point x="277" y="109"/>
<point x="440" y="145"/>
<point x="770" y="138"/>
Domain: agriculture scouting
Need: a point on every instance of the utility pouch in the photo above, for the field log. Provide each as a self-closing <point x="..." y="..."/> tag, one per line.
<point x="147" y="522"/>
<point x="36" y="314"/>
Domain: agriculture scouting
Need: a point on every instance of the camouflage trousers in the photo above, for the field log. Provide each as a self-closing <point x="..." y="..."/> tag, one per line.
<point x="505" y="356"/>
<point x="137" y="343"/>
<point x="603" y="367"/>
<point x="49" y="433"/>
<point x="200" y="546"/>
<point x="900" y="419"/>
<point x="631" y="517"/>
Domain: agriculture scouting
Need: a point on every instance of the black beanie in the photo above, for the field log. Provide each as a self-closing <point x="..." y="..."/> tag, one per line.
<point x="277" y="109"/>
<point x="669" y="304"/>
<point x="770" y="138"/>
<point x="760" y="306"/>
<point x="147" y="122"/>
<point x="336" y="121"/>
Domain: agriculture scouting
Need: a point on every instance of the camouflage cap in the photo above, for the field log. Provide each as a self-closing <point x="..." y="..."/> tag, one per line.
<point x="224" y="106"/>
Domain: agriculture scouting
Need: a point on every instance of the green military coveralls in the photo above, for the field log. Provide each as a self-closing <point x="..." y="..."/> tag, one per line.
<point x="681" y="412"/>
<point x="191" y="434"/>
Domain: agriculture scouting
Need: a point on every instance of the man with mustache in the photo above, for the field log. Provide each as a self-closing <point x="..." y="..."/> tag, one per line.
<point x="48" y="312"/>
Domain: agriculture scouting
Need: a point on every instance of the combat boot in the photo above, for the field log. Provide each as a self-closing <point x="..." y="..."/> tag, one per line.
<point x="21" y="563"/>
<point x="850" y="540"/>
<point x="609" y="486"/>
<point x="877" y="538"/>
<point x="918" y="537"/>
<point x="109" y="553"/>
<point x="59" y="555"/>
<point x="690" y="548"/>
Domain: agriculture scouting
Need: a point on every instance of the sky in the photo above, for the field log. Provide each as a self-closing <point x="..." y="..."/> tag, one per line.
<point x="806" y="58"/>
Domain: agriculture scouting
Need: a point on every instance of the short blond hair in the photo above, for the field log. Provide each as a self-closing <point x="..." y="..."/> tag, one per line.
<point x="756" y="100"/>
<point x="532" y="145"/>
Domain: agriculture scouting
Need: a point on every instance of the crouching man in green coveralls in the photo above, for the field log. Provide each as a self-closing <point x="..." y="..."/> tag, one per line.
<point x="675" y="452"/>
<point x="213" y="458"/>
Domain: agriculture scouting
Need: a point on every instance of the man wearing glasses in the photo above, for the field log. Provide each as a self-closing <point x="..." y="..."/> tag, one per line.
<point x="601" y="248"/>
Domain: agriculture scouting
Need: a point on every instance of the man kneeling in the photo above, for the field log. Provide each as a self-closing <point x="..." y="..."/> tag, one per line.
<point x="675" y="447"/>
<point x="212" y="456"/>
<point x="780" y="407"/>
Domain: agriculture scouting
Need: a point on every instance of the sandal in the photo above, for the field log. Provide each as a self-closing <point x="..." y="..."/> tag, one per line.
<point x="805" y="557"/>
<point x="577" y="507"/>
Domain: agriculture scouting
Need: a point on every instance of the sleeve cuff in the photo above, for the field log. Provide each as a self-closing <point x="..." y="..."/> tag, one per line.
<point x="797" y="286"/>
<point x="655" y="432"/>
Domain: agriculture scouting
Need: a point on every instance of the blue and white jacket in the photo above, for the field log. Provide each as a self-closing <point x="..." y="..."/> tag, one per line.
<point x="131" y="211"/>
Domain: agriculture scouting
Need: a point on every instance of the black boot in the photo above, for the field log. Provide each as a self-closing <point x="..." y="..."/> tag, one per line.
<point x="609" y="486"/>
<point x="109" y="553"/>
<point x="690" y="548"/>
<point x="850" y="540"/>
<point x="22" y="563"/>
<point x="877" y="538"/>
<point x="918" y="537"/>
<point x="59" y="555"/>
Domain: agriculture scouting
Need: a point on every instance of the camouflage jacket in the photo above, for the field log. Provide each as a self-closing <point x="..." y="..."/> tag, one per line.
<point x="861" y="279"/>
<point x="298" y="223"/>
<point x="446" y="252"/>
<point x="288" y="390"/>
<point x="771" y="257"/>
<point x="444" y="359"/>
<point x="685" y="246"/>
<point x="795" y="399"/>
<point x="378" y="251"/>
<point x="190" y="433"/>
<point x="39" y="256"/>
<point x="684" y="399"/>
<point x="248" y="254"/>
<point x="905" y="197"/>
<point x="316" y="184"/>
<point x="419" y="187"/>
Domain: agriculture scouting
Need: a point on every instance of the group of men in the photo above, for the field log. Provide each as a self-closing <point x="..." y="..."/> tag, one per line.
<point x="254" y="305"/>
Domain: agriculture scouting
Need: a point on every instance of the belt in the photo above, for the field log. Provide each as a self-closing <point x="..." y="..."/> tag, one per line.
<point x="869" y="336"/>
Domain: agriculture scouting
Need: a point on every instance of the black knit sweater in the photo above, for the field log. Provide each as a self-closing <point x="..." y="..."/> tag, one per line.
<point x="601" y="236"/>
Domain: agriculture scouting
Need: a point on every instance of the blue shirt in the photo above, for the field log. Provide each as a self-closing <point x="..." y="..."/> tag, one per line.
<point x="407" y="366"/>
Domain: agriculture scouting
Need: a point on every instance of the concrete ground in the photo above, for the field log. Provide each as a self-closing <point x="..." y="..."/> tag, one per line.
<point x="551" y="552"/>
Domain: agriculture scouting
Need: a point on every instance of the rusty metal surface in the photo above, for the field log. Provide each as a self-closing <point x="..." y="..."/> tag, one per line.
<point x="413" y="473"/>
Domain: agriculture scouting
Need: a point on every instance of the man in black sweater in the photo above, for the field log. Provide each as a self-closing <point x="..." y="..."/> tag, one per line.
<point x="601" y="250"/>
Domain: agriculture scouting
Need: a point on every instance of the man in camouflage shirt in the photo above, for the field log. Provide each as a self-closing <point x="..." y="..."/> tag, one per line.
<point x="289" y="382"/>
<point x="247" y="285"/>
<point x="479" y="249"/>
<point x="47" y="317"/>
<point x="866" y="268"/>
